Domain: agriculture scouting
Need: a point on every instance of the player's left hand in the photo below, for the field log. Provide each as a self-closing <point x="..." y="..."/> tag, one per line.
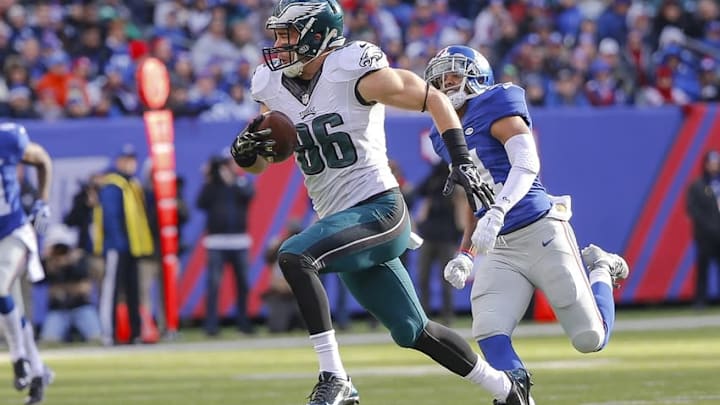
<point x="40" y="216"/>
<point x="476" y="190"/>
<point x="487" y="230"/>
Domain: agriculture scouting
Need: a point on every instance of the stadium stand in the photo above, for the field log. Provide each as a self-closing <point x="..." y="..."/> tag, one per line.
<point x="76" y="59"/>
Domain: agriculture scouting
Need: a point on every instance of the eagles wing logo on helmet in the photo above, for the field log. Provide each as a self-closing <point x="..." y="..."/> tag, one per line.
<point x="370" y="54"/>
<point x="297" y="11"/>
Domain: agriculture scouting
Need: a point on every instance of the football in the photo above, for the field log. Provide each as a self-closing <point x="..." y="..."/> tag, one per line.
<point x="283" y="133"/>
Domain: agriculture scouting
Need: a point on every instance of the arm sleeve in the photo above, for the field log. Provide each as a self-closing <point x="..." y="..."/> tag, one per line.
<point x="523" y="157"/>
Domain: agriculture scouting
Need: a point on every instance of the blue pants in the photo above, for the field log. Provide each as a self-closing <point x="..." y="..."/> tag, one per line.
<point x="216" y="263"/>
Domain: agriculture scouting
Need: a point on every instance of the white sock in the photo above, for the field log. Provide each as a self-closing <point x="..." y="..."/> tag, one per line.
<point x="600" y="275"/>
<point x="36" y="365"/>
<point x="13" y="334"/>
<point x="326" y="348"/>
<point x="494" y="381"/>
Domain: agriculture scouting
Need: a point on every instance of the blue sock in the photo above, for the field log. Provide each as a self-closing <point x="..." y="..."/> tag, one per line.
<point x="606" y="304"/>
<point x="6" y="304"/>
<point x="499" y="353"/>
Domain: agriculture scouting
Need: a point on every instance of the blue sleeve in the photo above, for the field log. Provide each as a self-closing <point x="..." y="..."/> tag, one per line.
<point x="22" y="142"/>
<point x="13" y="141"/>
<point x="506" y="100"/>
<point x="439" y="145"/>
<point x="111" y="200"/>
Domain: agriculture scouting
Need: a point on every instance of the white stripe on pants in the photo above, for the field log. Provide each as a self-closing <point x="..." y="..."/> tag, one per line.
<point x="107" y="296"/>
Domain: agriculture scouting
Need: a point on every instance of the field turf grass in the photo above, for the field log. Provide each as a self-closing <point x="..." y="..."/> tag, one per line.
<point x="651" y="367"/>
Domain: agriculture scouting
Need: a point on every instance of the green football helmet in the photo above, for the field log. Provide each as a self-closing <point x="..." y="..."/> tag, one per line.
<point x="319" y="24"/>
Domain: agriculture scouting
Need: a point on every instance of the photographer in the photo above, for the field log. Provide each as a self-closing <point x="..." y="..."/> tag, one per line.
<point x="81" y="212"/>
<point x="225" y="198"/>
<point x="69" y="290"/>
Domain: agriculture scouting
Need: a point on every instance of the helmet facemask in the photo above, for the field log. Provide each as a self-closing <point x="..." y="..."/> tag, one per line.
<point x="309" y="45"/>
<point x="287" y="57"/>
<point x="443" y="71"/>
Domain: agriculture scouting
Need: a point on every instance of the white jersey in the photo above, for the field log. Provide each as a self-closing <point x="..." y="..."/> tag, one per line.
<point x="341" y="137"/>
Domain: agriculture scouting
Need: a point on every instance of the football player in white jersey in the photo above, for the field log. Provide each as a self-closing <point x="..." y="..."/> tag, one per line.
<point x="335" y="93"/>
<point x="19" y="256"/>
<point x="524" y="238"/>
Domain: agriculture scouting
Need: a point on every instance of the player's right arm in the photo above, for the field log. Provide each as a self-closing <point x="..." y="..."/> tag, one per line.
<point x="404" y="89"/>
<point x="260" y="163"/>
<point x="38" y="157"/>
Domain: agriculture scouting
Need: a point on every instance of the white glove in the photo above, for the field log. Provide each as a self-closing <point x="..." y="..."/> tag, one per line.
<point x="487" y="229"/>
<point x="458" y="270"/>
<point x="40" y="216"/>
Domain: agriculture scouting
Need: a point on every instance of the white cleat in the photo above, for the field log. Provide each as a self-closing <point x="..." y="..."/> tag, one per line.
<point x="593" y="257"/>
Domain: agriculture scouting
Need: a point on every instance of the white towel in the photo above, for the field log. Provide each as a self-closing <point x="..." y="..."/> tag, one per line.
<point x="26" y="234"/>
<point x="415" y="241"/>
<point x="562" y="207"/>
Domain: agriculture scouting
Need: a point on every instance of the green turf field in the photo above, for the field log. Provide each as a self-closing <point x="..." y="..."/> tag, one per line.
<point x="658" y="367"/>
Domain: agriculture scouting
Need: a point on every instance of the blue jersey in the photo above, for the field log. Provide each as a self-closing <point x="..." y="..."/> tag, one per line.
<point x="13" y="141"/>
<point x="488" y="154"/>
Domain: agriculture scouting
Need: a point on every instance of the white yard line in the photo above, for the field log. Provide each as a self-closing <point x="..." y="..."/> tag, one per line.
<point x="684" y="399"/>
<point x="380" y="337"/>
<point x="424" y="370"/>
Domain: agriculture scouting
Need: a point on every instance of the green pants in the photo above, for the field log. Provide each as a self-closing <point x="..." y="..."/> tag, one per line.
<point x="363" y="244"/>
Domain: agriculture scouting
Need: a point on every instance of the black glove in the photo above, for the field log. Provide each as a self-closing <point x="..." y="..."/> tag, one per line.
<point x="250" y="143"/>
<point x="466" y="175"/>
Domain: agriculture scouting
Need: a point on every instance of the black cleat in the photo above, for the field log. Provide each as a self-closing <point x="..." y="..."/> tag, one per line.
<point x="36" y="392"/>
<point x="520" y="390"/>
<point x="22" y="378"/>
<point x="331" y="390"/>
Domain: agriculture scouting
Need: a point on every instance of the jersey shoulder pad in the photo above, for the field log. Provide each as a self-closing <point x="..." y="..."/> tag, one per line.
<point x="505" y="100"/>
<point x="354" y="60"/>
<point x="507" y="92"/>
<point x="260" y="85"/>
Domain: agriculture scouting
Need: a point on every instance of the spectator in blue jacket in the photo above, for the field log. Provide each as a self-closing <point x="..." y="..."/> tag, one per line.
<point x="123" y="236"/>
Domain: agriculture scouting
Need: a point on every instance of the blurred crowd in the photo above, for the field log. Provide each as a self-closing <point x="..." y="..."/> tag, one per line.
<point x="76" y="59"/>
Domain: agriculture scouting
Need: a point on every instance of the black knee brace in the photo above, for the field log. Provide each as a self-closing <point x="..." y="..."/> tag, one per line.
<point x="304" y="280"/>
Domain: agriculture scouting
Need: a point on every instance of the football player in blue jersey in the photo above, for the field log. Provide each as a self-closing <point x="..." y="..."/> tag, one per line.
<point x="18" y="245"/>
<point x="524" y="240"/>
